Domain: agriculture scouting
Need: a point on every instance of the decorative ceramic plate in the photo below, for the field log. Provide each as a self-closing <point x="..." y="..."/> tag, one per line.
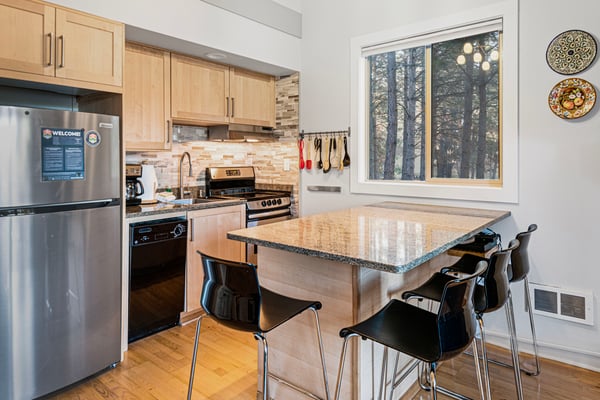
<point x="571" y="52"/>
<point x="572" y="98"/>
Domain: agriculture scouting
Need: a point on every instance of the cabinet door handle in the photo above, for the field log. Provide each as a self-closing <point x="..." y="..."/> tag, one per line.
<point x="169" y="132"/>
<point x="227" y="102"/>
<point x="62" y="51"/>
<point x="49" y="48"/>
<point x="191" y="228"/>
<point x="232" y="107"/>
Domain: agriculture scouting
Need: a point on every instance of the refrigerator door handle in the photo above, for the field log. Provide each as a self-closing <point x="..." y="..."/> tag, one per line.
<point x="53" y="208"/>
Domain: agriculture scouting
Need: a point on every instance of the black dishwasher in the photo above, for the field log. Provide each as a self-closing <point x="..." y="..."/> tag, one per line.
<point x="157" y="251"/>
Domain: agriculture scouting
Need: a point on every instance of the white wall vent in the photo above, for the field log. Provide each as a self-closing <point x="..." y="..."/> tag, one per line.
<point x="557" y="302"/>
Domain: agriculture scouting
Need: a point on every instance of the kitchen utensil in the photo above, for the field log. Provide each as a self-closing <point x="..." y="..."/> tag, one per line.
<point x="340" y="161"/>
<point x="334" y="153"/>
<point x="319" y="148"/>
<point x="308" y="156"/>
<point x="346" y="156"/>
<point x="327" y="163"/>
<point x="301" y="146"/>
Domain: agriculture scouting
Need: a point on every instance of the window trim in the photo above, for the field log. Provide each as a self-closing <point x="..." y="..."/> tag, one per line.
<point x="403" y="36"/>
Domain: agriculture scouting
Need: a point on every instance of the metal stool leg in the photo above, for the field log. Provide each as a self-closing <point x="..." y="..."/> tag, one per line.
<point x="510" y="319"/>
<point x="320" y="338"/>
<point x="265" y="384"/>
<point x="486" y="369"/>
<point x="533" y="336"/>
<point x="433" y="381"/>
<point x="193" y="368"/>
<point x="338" y="386"/>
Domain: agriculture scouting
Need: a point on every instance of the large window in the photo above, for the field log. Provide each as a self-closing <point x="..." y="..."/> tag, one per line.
<point x="433" y="111"/>
<point x="434" y="107"/>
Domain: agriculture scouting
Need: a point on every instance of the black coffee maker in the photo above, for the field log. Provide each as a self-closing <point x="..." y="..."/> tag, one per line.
<point x="133" y="186"/>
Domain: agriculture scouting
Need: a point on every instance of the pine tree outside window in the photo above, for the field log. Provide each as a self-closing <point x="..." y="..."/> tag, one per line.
<point x="434" y="111"/>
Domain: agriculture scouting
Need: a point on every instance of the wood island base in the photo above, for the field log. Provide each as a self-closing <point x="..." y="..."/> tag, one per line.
<point x="349" y="294"/>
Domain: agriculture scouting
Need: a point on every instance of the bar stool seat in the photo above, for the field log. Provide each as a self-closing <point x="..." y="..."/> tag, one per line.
<point x="232" y="296"/>
<point x="429" y="337"/>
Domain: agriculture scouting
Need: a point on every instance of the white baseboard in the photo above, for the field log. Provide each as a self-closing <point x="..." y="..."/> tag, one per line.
<point x="565" y="354"/>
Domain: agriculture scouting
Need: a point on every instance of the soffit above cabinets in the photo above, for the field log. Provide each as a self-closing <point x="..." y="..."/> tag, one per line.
<point x="176" y="45"/>
<point x="266" y="12"/>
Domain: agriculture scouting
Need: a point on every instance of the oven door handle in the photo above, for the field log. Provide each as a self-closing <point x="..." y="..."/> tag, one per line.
<point x="269" y="214"/>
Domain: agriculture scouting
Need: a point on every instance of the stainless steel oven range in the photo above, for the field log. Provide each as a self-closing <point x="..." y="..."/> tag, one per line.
<point x="262" y="206"/>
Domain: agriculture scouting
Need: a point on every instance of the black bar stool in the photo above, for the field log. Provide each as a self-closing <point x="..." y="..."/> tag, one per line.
<point x="518" y="270"/>
<point x="492" y="294"/>
<point x="232" y="296"/>
<point x="429" y="337"/>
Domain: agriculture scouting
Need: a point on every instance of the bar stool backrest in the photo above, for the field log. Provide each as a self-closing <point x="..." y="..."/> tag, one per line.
<point x="456" y="316"/>
<point x="519" y="259"/>
<point x="496" y="289"/>
<point x="231" y="293"/>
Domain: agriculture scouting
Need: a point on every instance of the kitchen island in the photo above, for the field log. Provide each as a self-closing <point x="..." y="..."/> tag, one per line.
<point x="353" y="261"/>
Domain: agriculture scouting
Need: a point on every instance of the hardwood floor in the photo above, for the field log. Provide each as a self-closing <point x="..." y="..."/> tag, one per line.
<point x="158" y="367"/>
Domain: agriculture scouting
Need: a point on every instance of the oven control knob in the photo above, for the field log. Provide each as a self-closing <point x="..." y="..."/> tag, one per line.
<point x="264" y="203"/>
<point x="178" y="230"/>
<point x="269" y="202"/>
<point x="278" y="201"/>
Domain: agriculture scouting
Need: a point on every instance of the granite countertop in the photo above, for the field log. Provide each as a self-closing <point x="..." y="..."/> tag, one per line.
<point x="388" y="236"/>
<point x="168" y="208"/>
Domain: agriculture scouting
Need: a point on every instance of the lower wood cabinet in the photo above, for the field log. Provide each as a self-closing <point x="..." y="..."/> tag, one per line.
<point x="207" y="232"/>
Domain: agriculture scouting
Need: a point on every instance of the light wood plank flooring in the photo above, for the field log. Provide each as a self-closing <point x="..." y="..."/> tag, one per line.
<point x="158" y="367"/>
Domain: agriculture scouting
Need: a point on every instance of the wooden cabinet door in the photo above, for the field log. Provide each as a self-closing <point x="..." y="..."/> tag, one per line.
<point x="252" y="98"/>
<point x="89" y="48"/>
<point x="27" y="32"/>
<point x="200" y="90"/>
<point x="208" y="234"/>
<point x="146" y="98"/>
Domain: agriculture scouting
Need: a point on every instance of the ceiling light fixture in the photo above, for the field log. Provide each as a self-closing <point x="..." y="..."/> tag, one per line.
<point x="215" y="56"/>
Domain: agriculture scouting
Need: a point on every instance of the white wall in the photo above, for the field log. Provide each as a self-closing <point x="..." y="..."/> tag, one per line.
<point x="559" y="160"/>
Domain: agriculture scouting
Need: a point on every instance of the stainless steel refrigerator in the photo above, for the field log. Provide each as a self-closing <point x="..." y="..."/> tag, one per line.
<point x="60" y="248"/>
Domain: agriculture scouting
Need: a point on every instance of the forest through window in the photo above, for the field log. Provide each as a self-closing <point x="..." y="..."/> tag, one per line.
<point x="433" y="111"/>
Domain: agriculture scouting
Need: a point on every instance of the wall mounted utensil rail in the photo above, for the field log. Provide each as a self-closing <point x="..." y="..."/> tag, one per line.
<point x="329" y="149"/>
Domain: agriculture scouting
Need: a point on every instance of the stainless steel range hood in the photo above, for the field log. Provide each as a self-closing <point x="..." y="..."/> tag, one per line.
<point x="241" y="133"/>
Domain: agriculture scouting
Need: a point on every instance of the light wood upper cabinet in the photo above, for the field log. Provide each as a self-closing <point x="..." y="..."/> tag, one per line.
<point x="252" y="98"/>
<point x="88" y="48"/>
<point x="27" y="32"/>
<point x="146" y="98"/>
<point x="219" y="94"/>
<point x="200" y="90"/>
<point x="207" y="232"/>
<point x="54" y="45"/>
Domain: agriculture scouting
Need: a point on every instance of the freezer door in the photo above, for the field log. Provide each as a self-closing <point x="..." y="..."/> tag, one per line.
<point x="49" y="157"/>
<point x="60" y="299"/>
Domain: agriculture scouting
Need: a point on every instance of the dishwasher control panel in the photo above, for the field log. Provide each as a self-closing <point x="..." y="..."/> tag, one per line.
<point x="157" y="231"/>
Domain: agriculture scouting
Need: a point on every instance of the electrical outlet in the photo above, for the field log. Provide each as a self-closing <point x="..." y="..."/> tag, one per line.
<point x="286" y="164"/>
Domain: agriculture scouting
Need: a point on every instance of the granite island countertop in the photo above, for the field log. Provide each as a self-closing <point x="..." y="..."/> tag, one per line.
<point x="387" y="236"/>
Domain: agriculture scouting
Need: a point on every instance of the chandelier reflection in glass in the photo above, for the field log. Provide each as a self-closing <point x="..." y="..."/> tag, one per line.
<point x="479" y="53"/>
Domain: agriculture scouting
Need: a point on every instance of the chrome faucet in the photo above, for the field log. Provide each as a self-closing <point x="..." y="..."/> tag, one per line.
<point x="185" y="153"/>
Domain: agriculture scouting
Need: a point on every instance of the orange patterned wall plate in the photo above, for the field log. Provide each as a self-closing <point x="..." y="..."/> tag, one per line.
<point x="572" y="98"/>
